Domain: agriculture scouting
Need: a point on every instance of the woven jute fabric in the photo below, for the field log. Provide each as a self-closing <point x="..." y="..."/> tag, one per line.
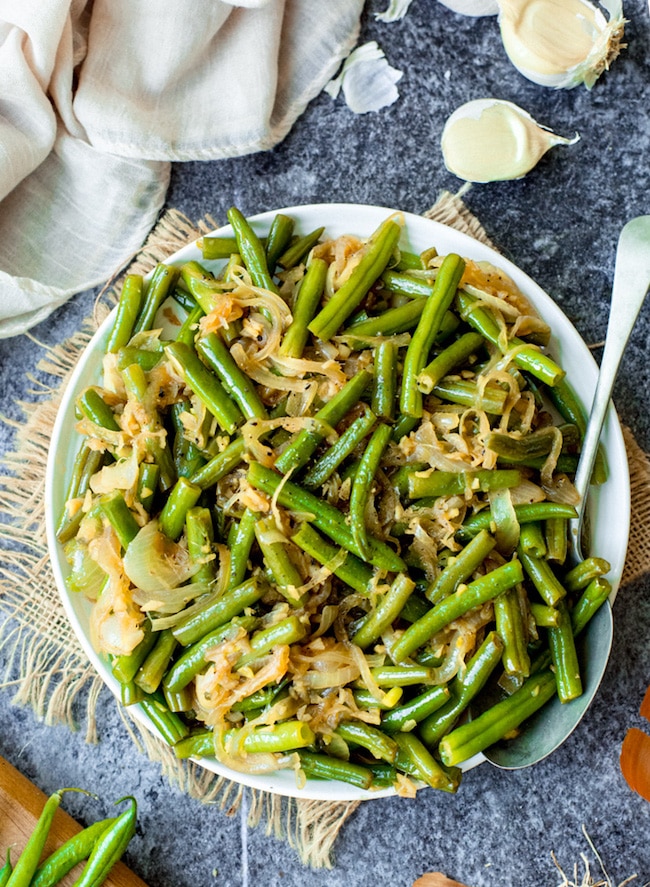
<point x="47" y="667"/>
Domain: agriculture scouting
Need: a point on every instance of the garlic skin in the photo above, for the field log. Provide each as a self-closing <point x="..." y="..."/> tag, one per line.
<point x="472" y="7"/>
<point x="489" y="140"/>
<point x="561" y="43"/>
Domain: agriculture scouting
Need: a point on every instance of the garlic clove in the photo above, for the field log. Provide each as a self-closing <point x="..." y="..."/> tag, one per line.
<point x="472" y="7"/>
<point x="489" y="140"/>
<point x="561" y="43"/>
<point x="367" y="80"/>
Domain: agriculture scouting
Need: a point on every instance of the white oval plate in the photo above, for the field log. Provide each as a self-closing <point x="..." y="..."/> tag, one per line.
<point x="610" y="504"/>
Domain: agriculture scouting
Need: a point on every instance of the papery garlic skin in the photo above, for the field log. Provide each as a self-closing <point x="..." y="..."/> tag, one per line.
<point x="472" y="7"/>
<point x="561" y="43"/>
<point x="489" y="140"/>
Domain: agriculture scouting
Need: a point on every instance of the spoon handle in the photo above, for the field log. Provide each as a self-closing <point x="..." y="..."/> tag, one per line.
<point x="628" y="292"/>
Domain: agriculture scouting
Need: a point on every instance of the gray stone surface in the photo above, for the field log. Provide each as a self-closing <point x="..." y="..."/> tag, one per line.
<point x="559" y="224"/>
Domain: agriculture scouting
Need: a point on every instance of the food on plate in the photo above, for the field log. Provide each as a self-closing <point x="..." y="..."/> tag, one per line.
<point x="320" y="505"/>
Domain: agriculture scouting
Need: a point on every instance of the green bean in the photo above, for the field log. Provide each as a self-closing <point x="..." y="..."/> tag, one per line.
<point x="460" y="567"/>
<point x="401" y="675"/>
<point x="544" y="616"/>
<point x="343" y="447"/>
<point x="389" y="323"/>
<point x="194" y="658"/>
<point x="125" y="667"/>
<point x="526" y="357"/>
<point x="452" y="356"/>
<point x="120" y="517"/>
<point x="68" y="855"/>
<point x="366" y="736"/>
<point x="463" y="689"/>
<point x="285" y="574"/>
<point x="87" y="462"/>
<point x="152" y="670"/>
<point x="384" y="387"/>
<point x="304" y="444"/>
<point x="406" y="284"/>
<point x="180" y="701"/>
<point x="456" y="483"/>
<point x="365" y="699"/>
<point x="215" y="613"/>
<point x="352" y="571"/>
<point x="537" y="443"/>
<point x="296" y="252"/>
<point x="409" y="261"/>
<point x="524" y="513"/>
<point x="239" y="386"/>
<point x="278" y="240"/>
<point x="183" y="496"/>
<point x="282" y="737"/>
<point x="109" y="847"/>
<point x="169" y="724"/>
<point x="214" y="247"/>
<point x="27" y="863"/>
<point x="145" y="358"/>
<point x="285" y="632"/>
<point x="251" y="250"/>
<point x="381" y="617"/>
<point x="205" y="289"/>
<point x="205" y="385"/>
<point x="532" y="539"/>
<point x="127" y="311"/>
<point x="188" y="458"/>
<point x="200" y="539"/>
<point x="403" y="427"/>
<point x="591" y="599"/>
<point x="539" y="571"/>
<point x="565" y="657"/>
<point x="465" y="598"/>
<point x="131" y="694"/>
<point x="162" y="282"/>
<point x="405" y="718"/>
<point x="490" y="399"/>
<point x="556" y="537"/>
<point x="585" y="572"/>
<point x="6" y="870"/>
<point x="95" y="408"/>
<point x="326" y="518"/>
<point x="219" y="465"/>
<point x="243" y="536"/>
<point x="378" y="251"/>
<point x="190" y="326"/>
<point x="498" y="721"/>
<point x="319" y="766"/>
<point x="306" y="302"/>
<point x="186" y="300"/>
<point x="362" y="485"/>
<point x="417" y="353"/>
<point x="415" y="758"/>
<point x="509" y="619"/>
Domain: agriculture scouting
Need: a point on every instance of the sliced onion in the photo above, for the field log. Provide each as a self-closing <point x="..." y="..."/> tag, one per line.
<point x="154" y="562"/>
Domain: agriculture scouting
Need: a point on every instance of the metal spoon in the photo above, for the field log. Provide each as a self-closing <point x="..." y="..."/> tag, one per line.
<point x="551" y="726"/>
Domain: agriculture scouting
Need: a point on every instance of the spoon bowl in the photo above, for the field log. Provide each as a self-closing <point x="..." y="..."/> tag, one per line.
<point x="556" y="721"/>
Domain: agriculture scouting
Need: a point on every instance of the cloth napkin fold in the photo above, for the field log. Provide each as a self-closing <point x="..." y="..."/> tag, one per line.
<point x="98" y="98"/>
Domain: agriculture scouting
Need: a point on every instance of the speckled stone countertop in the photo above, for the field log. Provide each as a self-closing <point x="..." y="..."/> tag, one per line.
<point x="560" y="224"/>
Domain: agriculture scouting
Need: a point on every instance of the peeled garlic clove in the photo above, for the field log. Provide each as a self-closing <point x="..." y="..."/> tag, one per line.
<point x="472" y="7"/>
<point x="561" y="43"/>
<point x="489" y="140"/>
<point x="367" y="80"/>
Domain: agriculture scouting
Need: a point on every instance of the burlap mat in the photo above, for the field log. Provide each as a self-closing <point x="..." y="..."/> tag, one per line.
<point x="46" y="663"/>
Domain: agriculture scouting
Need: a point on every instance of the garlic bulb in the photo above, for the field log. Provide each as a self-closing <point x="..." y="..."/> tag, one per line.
<point x="561" y="43"/>
<point x="489" y="140"/>
<point x="472" y="7"/>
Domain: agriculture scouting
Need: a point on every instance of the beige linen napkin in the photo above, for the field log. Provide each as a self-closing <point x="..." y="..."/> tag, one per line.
<point x="96" y="99"/>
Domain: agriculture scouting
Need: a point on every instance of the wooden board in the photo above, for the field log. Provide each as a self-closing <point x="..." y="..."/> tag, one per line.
<point x="21" y="804"/>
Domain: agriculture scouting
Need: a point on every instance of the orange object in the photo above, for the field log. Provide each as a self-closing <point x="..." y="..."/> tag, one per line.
<point x="635" y="761"/>
<point x="21" y="803"/>
<point x="644" y="711"/>
<point x="436" y="879"/>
